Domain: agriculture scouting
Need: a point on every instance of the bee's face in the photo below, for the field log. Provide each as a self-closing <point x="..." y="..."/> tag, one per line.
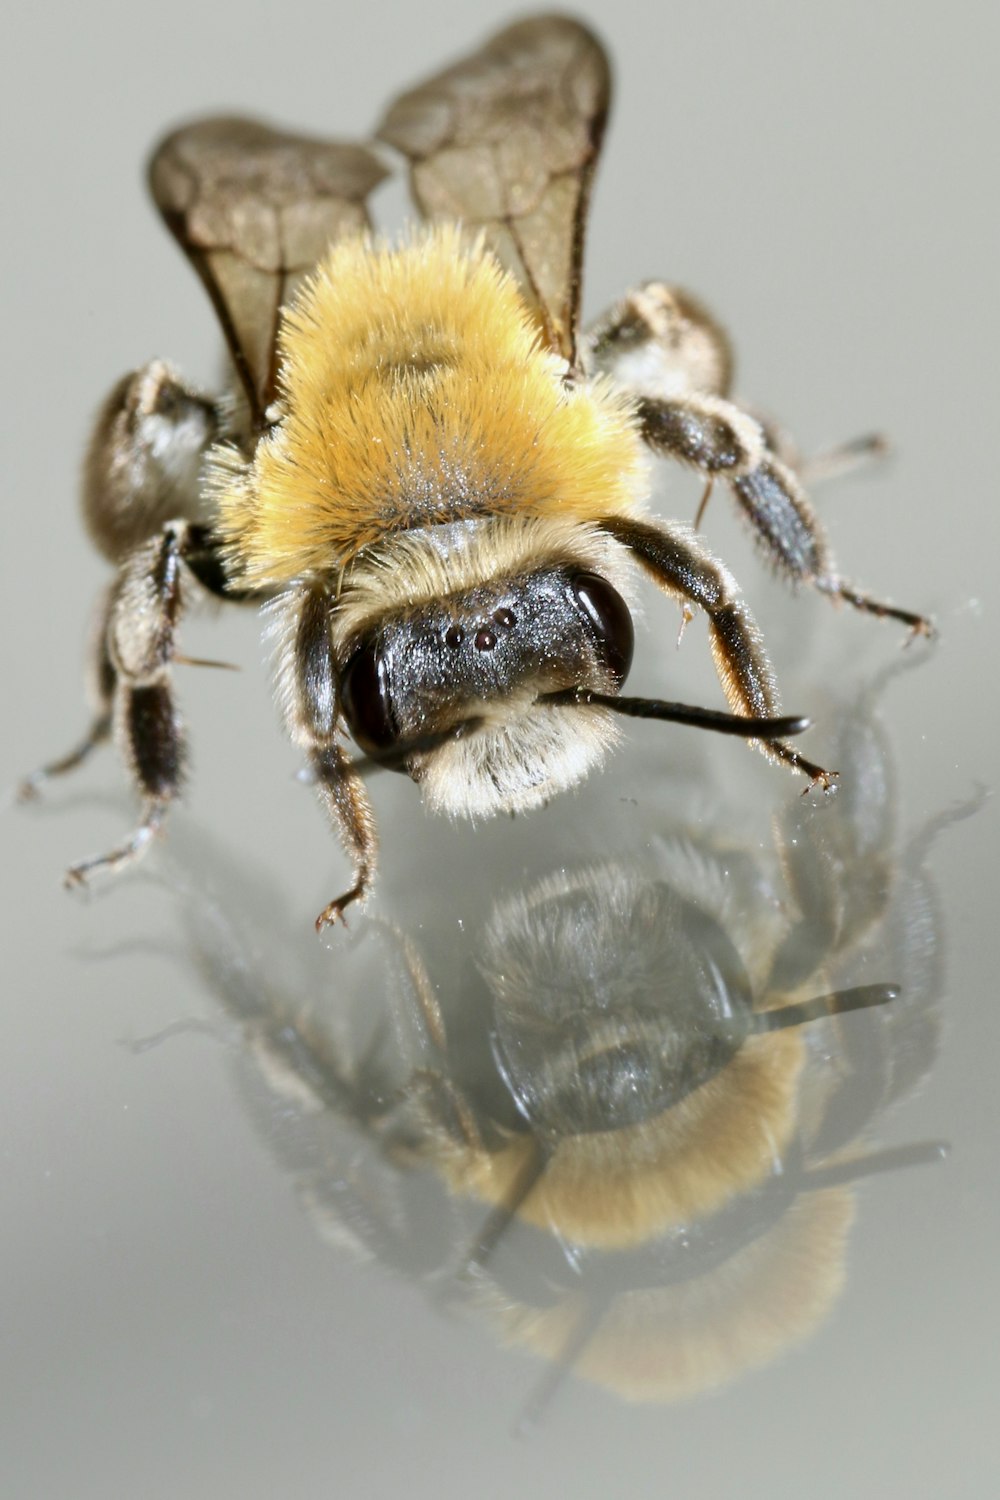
<point x="490" y="653"/>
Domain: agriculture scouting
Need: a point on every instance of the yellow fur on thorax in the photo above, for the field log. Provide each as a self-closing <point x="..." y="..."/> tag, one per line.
<point x="415" y="391"/>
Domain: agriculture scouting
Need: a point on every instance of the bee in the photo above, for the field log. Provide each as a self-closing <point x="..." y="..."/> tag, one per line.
<point x="431" y="475"/>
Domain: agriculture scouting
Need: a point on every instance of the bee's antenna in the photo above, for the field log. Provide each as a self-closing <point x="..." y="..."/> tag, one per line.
<point x="394" y="758"/>
<point x="679" y="713"/>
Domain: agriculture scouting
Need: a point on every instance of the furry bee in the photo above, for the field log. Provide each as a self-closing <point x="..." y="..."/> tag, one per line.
<point x="432" y="476"/>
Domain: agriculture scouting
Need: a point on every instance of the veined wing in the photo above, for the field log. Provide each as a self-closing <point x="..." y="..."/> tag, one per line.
<point x="255" y="209"/>
<point x="507" y="141"/>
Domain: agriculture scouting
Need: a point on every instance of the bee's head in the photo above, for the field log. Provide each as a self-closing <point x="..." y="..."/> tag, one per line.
<point x="486" y="654"/>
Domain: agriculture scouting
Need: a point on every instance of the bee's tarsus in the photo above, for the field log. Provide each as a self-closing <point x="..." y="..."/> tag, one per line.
<point x="824" y="781"/>
<point x="334" y="912"/>
<point x="78" y="876"/>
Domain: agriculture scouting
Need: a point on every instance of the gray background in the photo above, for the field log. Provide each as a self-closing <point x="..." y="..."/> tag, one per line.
<point x="824" y="176"/>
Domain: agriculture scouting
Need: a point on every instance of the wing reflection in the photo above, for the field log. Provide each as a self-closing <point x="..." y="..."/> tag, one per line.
<point x="621" y="1118"/>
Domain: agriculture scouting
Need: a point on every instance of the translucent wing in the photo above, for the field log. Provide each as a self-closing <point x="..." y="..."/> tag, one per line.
<point x="255" y="209"/>
<point x="507" y="141"/>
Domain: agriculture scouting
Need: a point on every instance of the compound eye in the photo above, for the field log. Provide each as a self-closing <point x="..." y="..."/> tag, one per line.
<point x="609" y="619"/>
<point x="366" y="700"/>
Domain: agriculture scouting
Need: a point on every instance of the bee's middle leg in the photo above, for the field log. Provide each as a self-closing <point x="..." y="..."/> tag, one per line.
<point x="140" y="646"/>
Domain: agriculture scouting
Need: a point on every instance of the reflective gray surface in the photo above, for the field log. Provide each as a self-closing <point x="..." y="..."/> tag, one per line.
<point x="228" y="1270"/>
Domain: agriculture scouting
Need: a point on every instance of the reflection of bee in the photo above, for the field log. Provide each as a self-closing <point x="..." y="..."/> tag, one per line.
<point x="664" y="1154"/>
<point x="645" y="1074"/>
<point x="432" y="474"/>
<point x="592" y="1098"/>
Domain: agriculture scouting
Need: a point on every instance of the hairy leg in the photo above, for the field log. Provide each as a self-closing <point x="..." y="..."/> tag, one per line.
<point x="307" y="690"/>
<point x="683" y="567"/>
<point x="143" y="508"/>
<point x="668" y="350"/>
<point x="145" y="607"/>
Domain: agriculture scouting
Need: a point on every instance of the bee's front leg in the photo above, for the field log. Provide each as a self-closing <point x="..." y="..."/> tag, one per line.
<point x="307" y="691"/>
<point x="683" y="567"/>
<point x="343" y="794"/>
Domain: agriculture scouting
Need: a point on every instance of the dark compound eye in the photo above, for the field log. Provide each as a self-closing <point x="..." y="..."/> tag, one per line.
<point x="366" y="700"/>
<point x="608" y="616"/>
